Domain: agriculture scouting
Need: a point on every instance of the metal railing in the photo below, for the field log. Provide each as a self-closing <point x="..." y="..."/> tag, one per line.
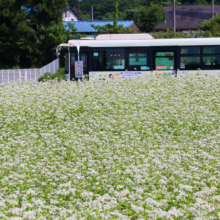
<point x="13" y="75"/>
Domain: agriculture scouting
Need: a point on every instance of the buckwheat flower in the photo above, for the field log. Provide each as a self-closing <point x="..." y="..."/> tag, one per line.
<point x="15" y="218"/>
<point x="2" y="204"/>
<point x="15" y="211"/>
<point x="137" y="208"/>
<point x="31" y="192"/>
<point x="217" y="198"/>
<point x="29" y="215"/>
<point x="73" y="217"/>
<point x="186" y="187"/>
<point x="13" y="202"/>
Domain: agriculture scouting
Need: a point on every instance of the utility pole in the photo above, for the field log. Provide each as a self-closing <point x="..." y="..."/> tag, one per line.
<point x="174" y="15"/>
<point x="92" y="12"/>
<point x="79" y="10"/>
<point x="213" y="5"/>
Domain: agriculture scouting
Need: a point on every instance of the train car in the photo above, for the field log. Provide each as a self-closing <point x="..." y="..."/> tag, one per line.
<point x="111" y="56"/>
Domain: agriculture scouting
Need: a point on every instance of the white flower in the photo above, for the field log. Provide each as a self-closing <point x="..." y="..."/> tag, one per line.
<point x="29" y="215"/>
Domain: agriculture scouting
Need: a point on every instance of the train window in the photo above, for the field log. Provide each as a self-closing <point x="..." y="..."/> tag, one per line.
<point x="190" y="50"/>
<point x="164" y="54"/>
<point x="137" y="59"/>
<point x="211" y="50"/>
<point x="164" y="60"/>
<point x="211" y="60"/>
<point x="188" y="58"/>
<point x="98" y="59"/>
<point x="115" y="59"/>
<point x="189" y="62"/>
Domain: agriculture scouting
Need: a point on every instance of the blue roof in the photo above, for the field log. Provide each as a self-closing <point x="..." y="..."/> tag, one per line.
<point x="85" y="26"/>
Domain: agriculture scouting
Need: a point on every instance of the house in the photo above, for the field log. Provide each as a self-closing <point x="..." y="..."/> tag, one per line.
<point x="70" y="15"/>
<point x="84" y="27"/>
<point x="187" y="17"/>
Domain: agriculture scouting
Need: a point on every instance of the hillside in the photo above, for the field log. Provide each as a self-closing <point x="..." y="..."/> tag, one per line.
<point x="103" y="9"/>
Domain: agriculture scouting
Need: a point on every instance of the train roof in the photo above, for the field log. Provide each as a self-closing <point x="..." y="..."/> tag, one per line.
<point x="140" y="40"/>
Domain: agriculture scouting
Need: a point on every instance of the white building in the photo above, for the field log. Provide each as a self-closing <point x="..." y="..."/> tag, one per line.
<point x="70" y="15"/>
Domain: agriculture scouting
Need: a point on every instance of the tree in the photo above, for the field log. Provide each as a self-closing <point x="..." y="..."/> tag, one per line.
<point x="30" y="30"/>
<point x="115" y="28"/>
<point x="116" y="15"/>
<point x="170" y="33"/>
<point x="12" y="25"/>
<point x="110" y="29"/>
<point x="211" y="26"/>
<point x="147" y="18"/>
<point x="44" y="30"/>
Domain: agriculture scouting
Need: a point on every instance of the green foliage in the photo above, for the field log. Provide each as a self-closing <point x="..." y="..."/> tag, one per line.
<point x="30" y="30"/>
<point x="115" y="28"/>
<point x="147" y="18"/>
<point x="44" y="30"/>
<point x="110" y="29"/>
<point x="59" y="75"/>
<point x="116" y="15"/>
<point x="11" y="27"/>
<point x="170" y="33"/>
<point x="212" y="26"/>
<point x="103" y="9"/>
<point x="110" y="16"/>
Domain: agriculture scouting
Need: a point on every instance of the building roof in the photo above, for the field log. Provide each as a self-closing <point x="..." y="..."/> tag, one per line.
<point x="74" y="12"/>
<point x="85" y="26"/>
<point x="187" y="17"/>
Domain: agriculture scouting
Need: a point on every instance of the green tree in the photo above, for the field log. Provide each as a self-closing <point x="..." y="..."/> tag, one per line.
<point x="115" y="28"/>
<point x="44" y="30"/>
<point x="147" y="18"/>
<point x="12" y="26"/>
<point x="170" y="33"/>
<point x="110" y="29"/>
<point x="211" y="26"/>
<point x="30" y="30"/>
<point x="116" y="15"/>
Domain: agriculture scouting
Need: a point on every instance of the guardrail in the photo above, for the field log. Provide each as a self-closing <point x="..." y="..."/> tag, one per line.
<point x="13" y="75"/>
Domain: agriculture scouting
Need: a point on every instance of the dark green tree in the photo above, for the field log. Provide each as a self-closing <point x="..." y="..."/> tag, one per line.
<point x="44" y="30"/>
<point x="147" y="18"/>
<point x="116" y="15"/>
<point x="12" y="27"/>
<point x="170" y="33"/>
<point x="115" y="28"/>
<point x="110" y="29"/>
<point x="211" y="26"/>
<point x="30" y="30"/>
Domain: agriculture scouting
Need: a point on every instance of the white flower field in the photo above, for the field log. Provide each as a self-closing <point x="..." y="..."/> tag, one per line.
<point x="146" y="148"/>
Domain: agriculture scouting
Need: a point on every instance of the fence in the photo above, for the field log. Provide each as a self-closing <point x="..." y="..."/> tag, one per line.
<point x="12" y="75"/>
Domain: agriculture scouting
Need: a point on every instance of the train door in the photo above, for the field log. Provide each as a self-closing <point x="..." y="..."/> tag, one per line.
<point x="66" y="67"/>
<point x="73" y="58"/>
<point x="164" y="62"/>
<point x="84" y="58"/>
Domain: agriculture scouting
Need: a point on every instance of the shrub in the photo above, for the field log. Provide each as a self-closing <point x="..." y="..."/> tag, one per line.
<point x="49" y="76"/>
